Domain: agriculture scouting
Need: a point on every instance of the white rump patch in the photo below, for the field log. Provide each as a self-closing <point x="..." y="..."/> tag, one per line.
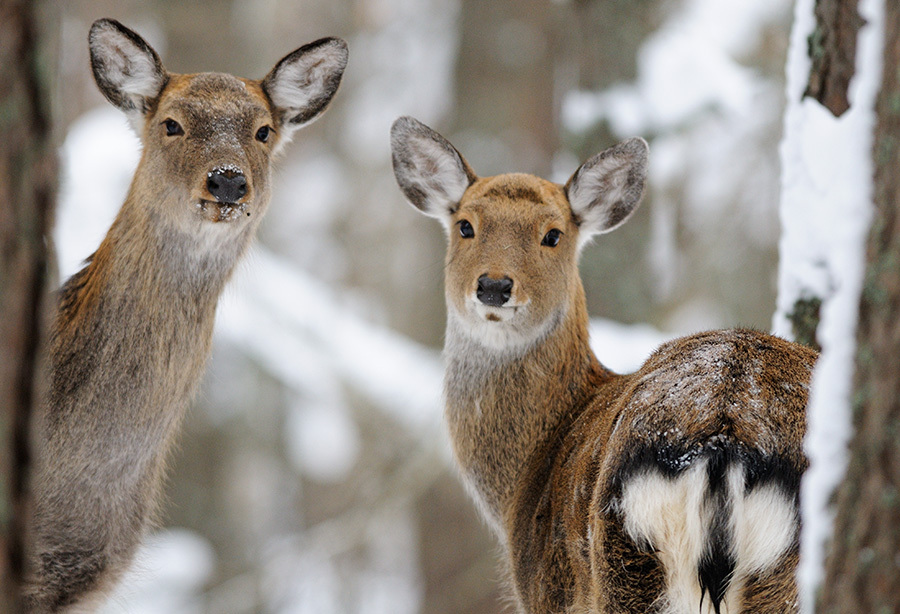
<point x="765" y="522"/>
<point x="673" y="516"/>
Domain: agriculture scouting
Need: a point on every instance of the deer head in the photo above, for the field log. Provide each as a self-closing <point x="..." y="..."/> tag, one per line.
<point x="208" y="138"/>
<point x="514" y="239"/>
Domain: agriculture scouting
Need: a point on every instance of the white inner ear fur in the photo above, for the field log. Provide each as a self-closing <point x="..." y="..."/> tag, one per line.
<point x="595" y="192"/>
<point x="129" y="69"/>
<point x="132" y="70"/>
<point x="607" y="189"/>
<point x="439" y="174"/>
<point x="300" y="82"/>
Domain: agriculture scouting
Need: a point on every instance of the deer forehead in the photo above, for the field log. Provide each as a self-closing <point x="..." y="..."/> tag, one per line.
<point x="214" y="99"/>
<point x="516" y="201"/>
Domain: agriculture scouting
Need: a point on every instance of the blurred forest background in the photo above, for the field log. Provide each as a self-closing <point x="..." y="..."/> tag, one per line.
<point x="313" y="474"/>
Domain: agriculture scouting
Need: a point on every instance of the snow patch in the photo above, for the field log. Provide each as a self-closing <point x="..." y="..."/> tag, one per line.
<point x="324" y="442"/>
<point x="170" y="569"/>
<point x="624" y="347"/>
<point x="299" y="331"/>
<point x="412" y="46"/>
<point x="99" y="157"/>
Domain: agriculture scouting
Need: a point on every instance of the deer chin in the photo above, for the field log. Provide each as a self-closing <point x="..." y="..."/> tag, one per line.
<point x="506" y="331"/>
<point x="214" y="211"/>
<point x="500" y="314"/>
<point x="501" y="329"/>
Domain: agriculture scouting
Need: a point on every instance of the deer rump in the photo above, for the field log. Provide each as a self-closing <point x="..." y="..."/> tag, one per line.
<point x="675" y="490"/>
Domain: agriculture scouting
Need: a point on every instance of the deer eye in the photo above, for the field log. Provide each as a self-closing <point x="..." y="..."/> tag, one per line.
<point x="465" y="229"/>
<point x="173" y="128"/>
<point x="262" y="135"/>
<point x="551" y="239"/>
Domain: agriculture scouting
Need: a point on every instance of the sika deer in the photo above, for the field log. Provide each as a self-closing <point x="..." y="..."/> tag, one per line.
<point x="673" y="489"/>
<point x="133" y="328"/>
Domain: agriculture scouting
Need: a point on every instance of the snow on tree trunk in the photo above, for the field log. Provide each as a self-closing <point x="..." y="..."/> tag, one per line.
<point x="825" y="210"/>
<point x="863" y="569"/>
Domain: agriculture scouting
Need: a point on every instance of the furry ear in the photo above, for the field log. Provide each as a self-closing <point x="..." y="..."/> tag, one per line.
<point x="127" y="70"/>
<point x="431" y="173"/>
<point x="304" y="81"/>
<point x="606" y="190"/>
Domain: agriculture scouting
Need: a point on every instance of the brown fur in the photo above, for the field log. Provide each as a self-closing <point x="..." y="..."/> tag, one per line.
<point x="545" y="436"/>
<point x="133" y="328"/>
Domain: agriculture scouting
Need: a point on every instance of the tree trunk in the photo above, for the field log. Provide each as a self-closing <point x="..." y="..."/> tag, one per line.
<point x="832" y="49"/>
<point x="504" y="83"/>
<point x="832" y="53"/>
<point x="27" y="190"/>
<point x="863" y="566"/>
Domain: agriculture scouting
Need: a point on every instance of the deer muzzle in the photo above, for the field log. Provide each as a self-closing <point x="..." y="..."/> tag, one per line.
<point x="494" y="292"/>
<point x="226" y="185"/>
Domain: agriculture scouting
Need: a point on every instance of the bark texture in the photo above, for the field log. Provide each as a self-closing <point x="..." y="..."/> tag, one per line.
<point x="863" y="566"/>
<point x="832" y="49"/>
<point x="27" y="189"/>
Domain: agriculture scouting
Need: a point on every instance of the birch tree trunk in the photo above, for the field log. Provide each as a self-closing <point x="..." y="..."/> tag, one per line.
<point x="27" y="191"/>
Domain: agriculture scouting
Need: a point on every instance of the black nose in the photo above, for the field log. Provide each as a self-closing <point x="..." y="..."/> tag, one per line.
<point x="227" y="186"/>
<point x="494" y="292"/>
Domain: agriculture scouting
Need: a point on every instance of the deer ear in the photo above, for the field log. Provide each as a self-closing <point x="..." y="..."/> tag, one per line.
<point x="127" y="70"/>
<point x="304" y="81"/>
<point x="606" y="190"/>
<point x="431" y="173"/>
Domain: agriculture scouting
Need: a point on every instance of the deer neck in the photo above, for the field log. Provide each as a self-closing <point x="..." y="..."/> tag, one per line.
<point x="183" y="254"/>
<point x="134" y="327"/>
<point x="501" y="408"/>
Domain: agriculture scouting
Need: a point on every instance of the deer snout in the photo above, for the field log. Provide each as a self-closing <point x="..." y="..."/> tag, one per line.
<point x="226" y="185"/>
<point x="494" y="292"/>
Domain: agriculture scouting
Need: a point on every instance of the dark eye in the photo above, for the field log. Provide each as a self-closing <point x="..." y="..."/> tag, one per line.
<point x="551" y="239"/>
<point x="465" y="229"/>
<point x="173" y="128"/>
<point x="262" y="135"/>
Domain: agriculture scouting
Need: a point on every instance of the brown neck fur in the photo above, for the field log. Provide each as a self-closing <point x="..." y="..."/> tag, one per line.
<point x="129" y="342"/>
<point x="502" y="408"/>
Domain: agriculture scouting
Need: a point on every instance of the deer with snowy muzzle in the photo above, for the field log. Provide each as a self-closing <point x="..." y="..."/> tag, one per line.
<point x="673" y="489"/>
<point x="132" y="330"/>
